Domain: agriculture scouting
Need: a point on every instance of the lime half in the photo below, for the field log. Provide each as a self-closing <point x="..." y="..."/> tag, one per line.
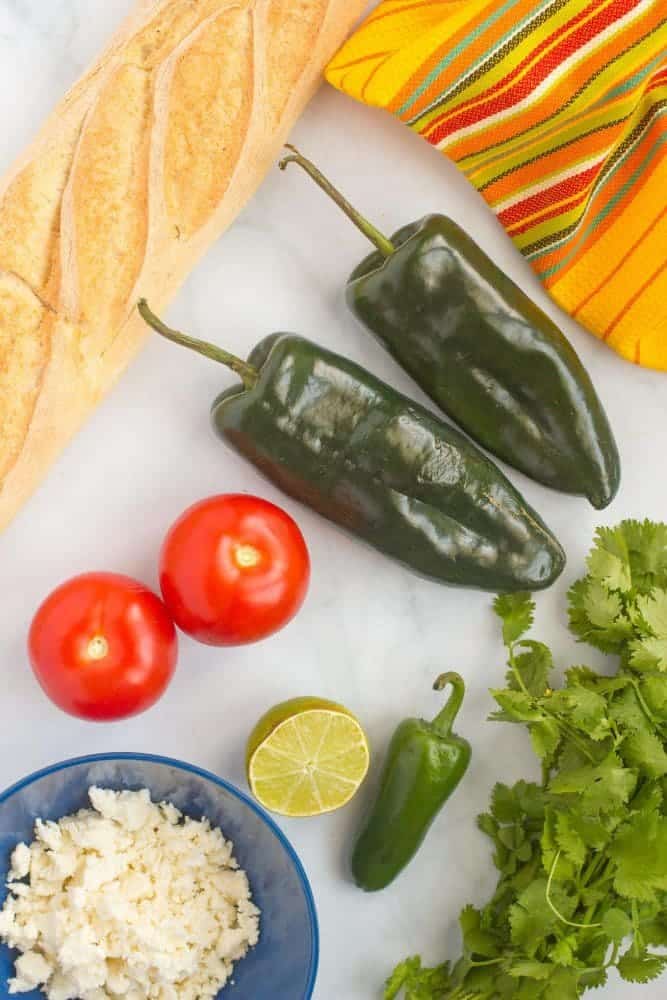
<point x="306" y="757"/>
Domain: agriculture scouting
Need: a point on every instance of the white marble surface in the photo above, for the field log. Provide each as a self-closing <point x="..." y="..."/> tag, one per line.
<point x="370" y="635"/>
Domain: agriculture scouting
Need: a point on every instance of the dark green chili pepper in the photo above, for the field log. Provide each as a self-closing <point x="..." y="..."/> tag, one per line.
<point x="425" y="764"/>
<point x="335" y="437"/>
<point x="482" y="350"/>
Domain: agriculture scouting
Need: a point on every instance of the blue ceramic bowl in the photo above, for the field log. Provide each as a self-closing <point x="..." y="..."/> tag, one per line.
<point x="283" y="966"/>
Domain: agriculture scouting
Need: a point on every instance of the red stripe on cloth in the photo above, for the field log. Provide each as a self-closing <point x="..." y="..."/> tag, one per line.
<point x="526" y="61"/>
<point x="544" y="199"/>
<point x="566" y="48"/>
<point x="566" y="206"/>
<point x="581" y="243"/>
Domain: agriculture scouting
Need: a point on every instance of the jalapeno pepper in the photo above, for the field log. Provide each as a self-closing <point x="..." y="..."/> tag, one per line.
<point x="358" y="452"/>
<point x="482" y="350"/>
<point x="424" y="766"/>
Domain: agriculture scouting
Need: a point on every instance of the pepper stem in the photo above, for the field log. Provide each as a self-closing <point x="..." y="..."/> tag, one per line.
<point x="443" y="722"/>
<point x="384" y="245"/>
<point x="247" y="373"/>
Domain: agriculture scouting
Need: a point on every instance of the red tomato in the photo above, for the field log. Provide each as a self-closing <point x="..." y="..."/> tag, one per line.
<point x="103" y="647"/>
<point x="234" y="569"/>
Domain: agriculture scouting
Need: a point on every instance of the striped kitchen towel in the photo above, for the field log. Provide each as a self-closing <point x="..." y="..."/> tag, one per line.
<point x="556" y="111"/>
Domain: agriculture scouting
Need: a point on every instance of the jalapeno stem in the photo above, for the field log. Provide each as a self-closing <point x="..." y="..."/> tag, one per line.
<point x="442" y="724"/>
<point x="247" y="373"/>
<point x="384" y="245"/>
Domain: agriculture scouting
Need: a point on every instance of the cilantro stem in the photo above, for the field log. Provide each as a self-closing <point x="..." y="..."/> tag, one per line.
<point x="636" y="948"/>
<point x="490" y="961"/>
<point x="566" y="728"/>
<point x="516" y="671"/>
<point x="613" y="958"/>
<point x="599" y="861"/>
<point x="642" y="704"/>
<point x="552" y="906"/>
<point x="571" y="734"/>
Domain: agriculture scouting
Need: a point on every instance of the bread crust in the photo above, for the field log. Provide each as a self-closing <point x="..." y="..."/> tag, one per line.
<point x="140" y="168"/>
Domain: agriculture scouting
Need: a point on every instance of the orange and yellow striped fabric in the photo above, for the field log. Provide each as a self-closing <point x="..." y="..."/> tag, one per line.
<point x="556" y="111"/>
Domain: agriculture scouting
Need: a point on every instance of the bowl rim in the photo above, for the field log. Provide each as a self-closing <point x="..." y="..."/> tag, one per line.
<point x="201" y="772"/>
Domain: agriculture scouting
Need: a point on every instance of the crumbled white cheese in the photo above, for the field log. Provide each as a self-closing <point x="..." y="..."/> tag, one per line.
<point x="20" y="863"/>
<point x="129" y="899"/>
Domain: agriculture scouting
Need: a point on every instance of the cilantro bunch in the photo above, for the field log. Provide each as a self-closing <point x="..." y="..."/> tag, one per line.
<point x="582" y="856"/>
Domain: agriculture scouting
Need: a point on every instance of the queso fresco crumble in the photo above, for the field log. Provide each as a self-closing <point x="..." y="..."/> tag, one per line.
<point x="127" y="899"/>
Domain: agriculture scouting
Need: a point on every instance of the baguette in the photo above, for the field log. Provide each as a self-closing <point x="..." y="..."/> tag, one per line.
<point x="142" y="166"/>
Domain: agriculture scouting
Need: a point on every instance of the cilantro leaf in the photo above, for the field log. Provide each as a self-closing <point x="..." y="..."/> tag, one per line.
<point x="649" y="653"/>
<point x="640" y="551"/>
<point x="563" y="985"/>
<point x="517" y="612"/>
<point x="654" y="692"/>
<point x="639" y="851"/>
<point x="588" y="712"/>
<point x="595" y="834"/>
<point x="545" y="737"/>
<point x="477" y="941"/>
<point x="655" y="931"/>
<point x="597" y="616"/>
<point x="646" y="751"/>
<point x="653" y="610"/>
<point x="627" y="712"/>
<point x="417" y="982"/>
<point x="517" y="706"/>
<point x="569" y="840"/>
<point x="602" y="606"/>
<point x="646" y="543"/>
<point x="583" y="708"/>
<point x="562" y="952"/>
<point x="531" y="918"/>
<point x="531" y="970"/>
<point x="602" y="787"/>
<point x="641" y="968"/>
<point x="617" y="925"/>
<point x="533" y="665"/>
<point x="609" y="562"/>
<point x="488" y="825"/>
<point x="531" y="798"/>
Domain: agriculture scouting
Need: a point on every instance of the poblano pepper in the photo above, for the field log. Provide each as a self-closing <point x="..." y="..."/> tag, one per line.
<point x="424" y="766"/>
<point x="358" y="452"/>
<point x="482" y="350"/>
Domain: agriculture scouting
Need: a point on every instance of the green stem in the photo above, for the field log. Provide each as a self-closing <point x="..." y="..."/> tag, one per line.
<point x="490" y="961"/>
<point x="571" y="734"/>
<point x="636" y="948"/>
<point x="516" y="672"/>
<point x="590" y="869"/>
<point x="551" y="905"/>
<point x="613" y="958"/>
<point x="442" y="724"/>
<point x="383" y="244"/>
<point x="644" y="707"/>
<point x="560" y="722"/>
<point x="247" y="373"/>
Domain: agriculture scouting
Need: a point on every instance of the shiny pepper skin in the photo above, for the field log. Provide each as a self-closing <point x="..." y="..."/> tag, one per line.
<point x="488" y="356"/>
<point x="425" y="764"/>
<point x="330" y="434"/>
<point x="386" y="469"/>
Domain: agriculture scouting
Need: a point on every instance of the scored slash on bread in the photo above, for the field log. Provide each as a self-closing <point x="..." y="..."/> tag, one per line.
<point x="142" y="166"/>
